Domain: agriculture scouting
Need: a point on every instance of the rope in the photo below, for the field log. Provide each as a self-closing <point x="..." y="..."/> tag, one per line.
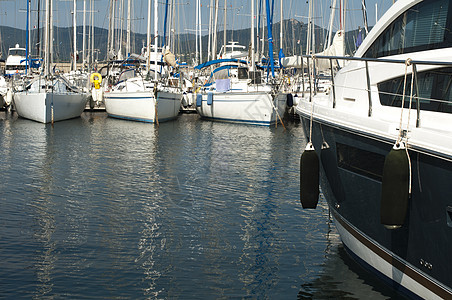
<point x="408" y="126"/>
<point x="407" y="63"/>
<point x="400" y="137"/>
<point x="311" y="83"/>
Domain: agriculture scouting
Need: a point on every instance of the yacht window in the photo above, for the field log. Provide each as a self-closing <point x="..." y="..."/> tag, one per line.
<point x="359" y="161"/>
<point x="242" y="73"/>
<point x="221" y="74"/>
<point x="434" y="86"/>
<point x="127" y="74"/>
<point x="17" y="52"/>
<point x="16" y="67"/>
<point x="425" y="26"/>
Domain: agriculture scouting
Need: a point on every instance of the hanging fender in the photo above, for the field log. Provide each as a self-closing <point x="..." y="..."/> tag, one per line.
<point x="395" y="187"/>
<point x="289" y="100"/>
<point x="309" y="177"/>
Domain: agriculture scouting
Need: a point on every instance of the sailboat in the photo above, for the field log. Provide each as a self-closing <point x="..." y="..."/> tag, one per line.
<point x="49" y="97"/>
<point x="146" y="94"/>
<point x="5" y="101"/>
<point x="319" y="68"/>
<point x="238" y="91"/>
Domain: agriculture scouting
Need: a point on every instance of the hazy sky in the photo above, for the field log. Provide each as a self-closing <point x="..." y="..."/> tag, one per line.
<point x="12" y="13"/>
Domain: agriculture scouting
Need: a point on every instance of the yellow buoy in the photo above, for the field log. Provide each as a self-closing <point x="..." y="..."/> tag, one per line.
<point x="96" y="78"/>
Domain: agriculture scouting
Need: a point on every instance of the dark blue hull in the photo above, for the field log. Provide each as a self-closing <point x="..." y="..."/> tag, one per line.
<point x="415" y="257"/>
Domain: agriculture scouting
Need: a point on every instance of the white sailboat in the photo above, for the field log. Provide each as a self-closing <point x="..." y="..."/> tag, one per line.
<point x="239" y="92"/>
<point x="51" y="97"/>
<point x="145" y="97"/>
<point x="5" y="93"/>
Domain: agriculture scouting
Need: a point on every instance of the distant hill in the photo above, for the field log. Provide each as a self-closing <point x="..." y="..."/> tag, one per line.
<point x="294" y="40"/>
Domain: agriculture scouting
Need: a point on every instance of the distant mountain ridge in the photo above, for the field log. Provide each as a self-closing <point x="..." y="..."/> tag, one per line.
<point x="294" y="40"/>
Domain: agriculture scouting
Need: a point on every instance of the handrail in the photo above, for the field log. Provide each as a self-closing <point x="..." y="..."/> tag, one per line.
<point x="380" y="60"/>
<point x="366" y="60"/>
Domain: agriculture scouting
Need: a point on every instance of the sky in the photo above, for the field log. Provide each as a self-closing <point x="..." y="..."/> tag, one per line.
<point x="13" y="13"/>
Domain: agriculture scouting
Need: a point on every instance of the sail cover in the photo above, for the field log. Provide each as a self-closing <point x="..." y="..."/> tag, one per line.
<point x="336" y="49"/>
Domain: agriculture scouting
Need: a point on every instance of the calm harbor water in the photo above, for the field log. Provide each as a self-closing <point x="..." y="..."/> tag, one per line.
<point x="96" y="207"/>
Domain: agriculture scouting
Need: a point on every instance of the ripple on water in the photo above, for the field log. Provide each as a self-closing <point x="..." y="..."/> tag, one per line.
<point x="102" y="208"/>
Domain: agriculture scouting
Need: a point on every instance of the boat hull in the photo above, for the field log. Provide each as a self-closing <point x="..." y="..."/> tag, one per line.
<point x="141" y="106"/>
<point x="412" y="258"/>
<point x="256" y="108"/>
<point x="44" y="107"/>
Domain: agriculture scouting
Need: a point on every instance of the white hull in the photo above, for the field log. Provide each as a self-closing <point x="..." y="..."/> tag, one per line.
<point x="141" y="106"/>
<point x="257" y="108"/>
<point x="40" y="106"/>
<point x="386" y="263"/>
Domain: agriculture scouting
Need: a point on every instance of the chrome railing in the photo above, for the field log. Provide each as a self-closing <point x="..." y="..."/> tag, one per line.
<point x="413" y="63"/>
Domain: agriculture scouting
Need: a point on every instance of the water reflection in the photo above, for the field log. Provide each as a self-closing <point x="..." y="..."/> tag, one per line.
<point x="103" y="208"/>
<point x="340" y="277"/>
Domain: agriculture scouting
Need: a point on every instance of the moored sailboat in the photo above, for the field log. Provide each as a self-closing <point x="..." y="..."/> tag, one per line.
<point x="238" y="91"/>
<point x="49" y="97"/>
<point x="142" y="94"/>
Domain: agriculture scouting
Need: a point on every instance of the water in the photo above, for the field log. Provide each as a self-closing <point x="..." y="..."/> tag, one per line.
<point x="102" y="208"/>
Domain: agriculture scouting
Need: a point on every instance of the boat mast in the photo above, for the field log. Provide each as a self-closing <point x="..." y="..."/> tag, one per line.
<point x="111" y="50"/>
<point x="363" y="4"/>
<point x="310" y="33"/>
<point x="224" y="25"/>
<point x="27" y="42"/>
<point x="118" y="48"/>
<point x="258" y="24"/>
<point x="148" y="37"/>
<point x="214" y="44"/>
<point x="156" y="34"/>
<point x="209" y="43"/>
<point x="92" y="33"/>
<point x="171" y="28"/>
<point x="253" y="63"/>
<point x="128" y="42"/>
<point x="330" y="27"/>
<point x="200" y="34"/>
<point x="84" y="35"/>
<point x="281" y="53"/>
<point x="196" y="34"/>
<point x="38" y="43"/>
<point x="74" y="66"/>
<point x="51" y="36"/>
<point x="47" y="40"/>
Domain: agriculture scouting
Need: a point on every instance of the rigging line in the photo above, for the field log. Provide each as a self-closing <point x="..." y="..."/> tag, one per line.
<point x="311" y="86"/>
<point x="407" y="63"/>
<point x="408" y="126"/>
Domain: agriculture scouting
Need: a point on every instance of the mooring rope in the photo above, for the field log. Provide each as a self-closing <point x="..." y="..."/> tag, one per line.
<point x="401" y="136"/>
<point x="311" y="83"/>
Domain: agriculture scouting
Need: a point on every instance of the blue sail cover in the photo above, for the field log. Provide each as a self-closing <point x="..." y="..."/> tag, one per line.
<point x="218" y="61"/>
<point x="281" y="56"/>
<point x="359" y="39"/>
<point x="270" y="37"/>
<point x="164" y="24"/>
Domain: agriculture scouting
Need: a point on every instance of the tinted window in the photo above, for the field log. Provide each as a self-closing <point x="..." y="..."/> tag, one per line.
<point x="243" y="73"/>
<point x="435" y="91"/>
<point x="425" y="26"/>
<point x="360" y="161"/>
